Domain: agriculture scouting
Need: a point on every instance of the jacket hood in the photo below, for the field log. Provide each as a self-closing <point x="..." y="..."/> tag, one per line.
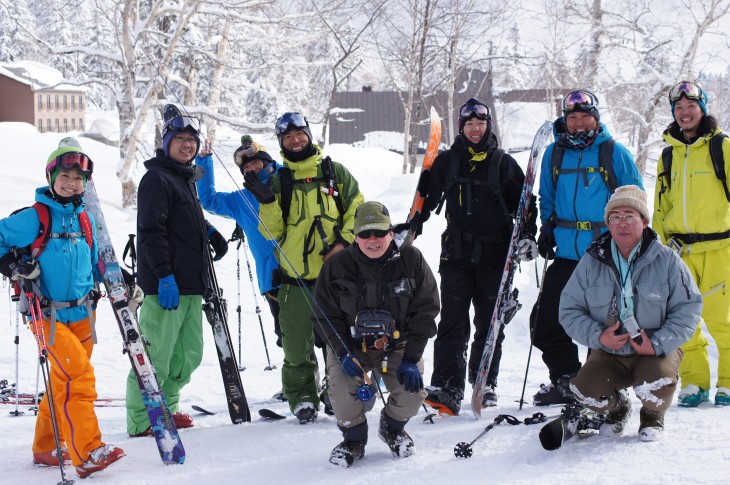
<point x="600" y="249"/>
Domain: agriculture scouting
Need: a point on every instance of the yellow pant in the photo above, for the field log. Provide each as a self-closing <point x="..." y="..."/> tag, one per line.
<point x="74" y="392"/>
<point x="711" y="271"/>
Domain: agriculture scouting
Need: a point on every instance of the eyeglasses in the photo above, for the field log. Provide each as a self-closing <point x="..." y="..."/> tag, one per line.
<point x="478" y="110"/>
<point x="687" y="89"/>
<point x="628" y="219"/>
<point x="182" y="123"/>
<point x="183" y="140"/>
<point x="579" y="101"/>
<point x="378" y="233"/>
<point x="293" y="118"/>
<point x="72" y="160"/>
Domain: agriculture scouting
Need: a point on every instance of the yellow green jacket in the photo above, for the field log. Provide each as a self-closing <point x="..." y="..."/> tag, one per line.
<point x="300" y="242"/>
<point x="696" y="202"/>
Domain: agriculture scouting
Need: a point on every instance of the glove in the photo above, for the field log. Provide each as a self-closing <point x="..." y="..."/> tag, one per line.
<point x="526" y="248"/>
<point x="546" y="243"/>
<point x="218" y="243"/>
<point x="262" y="192"/>
<point x="409" y="375"/>
<point x="27" y="270"/>
<point x="168" y="295"/>
<point x="350" y="366"/>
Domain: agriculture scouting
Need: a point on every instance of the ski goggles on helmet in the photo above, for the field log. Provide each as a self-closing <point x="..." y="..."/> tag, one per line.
<point x="182" y="123"/>
<point x="478" y="110"/>
<point x="69" y="161"/>
<point x="579" y="101"/>
<point x="297" y="120"/>
<point x="687" y="89"/>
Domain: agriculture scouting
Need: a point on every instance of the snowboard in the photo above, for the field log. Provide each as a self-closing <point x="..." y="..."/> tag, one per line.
<point x="432" y="150"/>
<point x="507" y="304"/>
<point x="574" y="420"/>
<point x="163" y="427"/>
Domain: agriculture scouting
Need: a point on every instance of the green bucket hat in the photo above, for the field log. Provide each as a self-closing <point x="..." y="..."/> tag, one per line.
<point x="371" y="215"/>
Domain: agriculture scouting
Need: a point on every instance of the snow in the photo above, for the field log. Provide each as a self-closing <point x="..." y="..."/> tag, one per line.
<point x="694" y="446"/>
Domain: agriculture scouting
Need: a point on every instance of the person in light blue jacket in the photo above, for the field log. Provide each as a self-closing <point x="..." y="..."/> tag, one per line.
<point x="633" y="302"/>
<point x="573" y="194"/>
<point x="243" y="207"/>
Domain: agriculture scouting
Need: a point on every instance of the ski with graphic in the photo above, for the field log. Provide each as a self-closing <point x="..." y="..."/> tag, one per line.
<point x="163" y="427"/>
<point x="217" y="314"/>
<point x="574" y="420"/>
<point x="507" y="304"/>
<point x="432" y="149"/>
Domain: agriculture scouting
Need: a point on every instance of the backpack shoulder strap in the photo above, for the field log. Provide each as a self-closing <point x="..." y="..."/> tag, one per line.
<point x="493" y="179"/>
<point x="44" y="231"/>
<point x="330" y="180"/>
<point x="718" y="160"/>
<point x="86" y="228"/>
<point x="605" y="163"/>
<point x="287" y="186"/>
<point x="454" y="163"/>
<point x="556" y="161"/>
<point x="665" y="177"/>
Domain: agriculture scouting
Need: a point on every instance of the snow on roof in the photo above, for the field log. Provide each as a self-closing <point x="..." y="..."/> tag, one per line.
<point x="36" y="75"/>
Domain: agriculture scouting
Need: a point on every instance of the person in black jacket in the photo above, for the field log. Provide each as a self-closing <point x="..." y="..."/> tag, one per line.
<point x="172" y="242"/>
<point x="378" y="305"/>
<point x="481" y="186"/>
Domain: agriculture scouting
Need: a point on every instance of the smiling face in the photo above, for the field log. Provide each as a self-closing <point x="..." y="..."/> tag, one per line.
<point x="373" y="247"/>
<point x="183" y="148"/>
<point x="688" y="114"/>
<point x="69" y="183"/>
<point x="474" y="129"/>
<point x="295" y="140"/>
<point x="580" y="121"/>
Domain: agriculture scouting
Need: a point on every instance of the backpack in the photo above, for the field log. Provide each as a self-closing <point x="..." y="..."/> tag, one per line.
<point x="718" y="163"/>
<point x="605" y="165"/>
<point x="44" y="231"/>
<point x="328" y="177"/>
<point x="492" y="182"/>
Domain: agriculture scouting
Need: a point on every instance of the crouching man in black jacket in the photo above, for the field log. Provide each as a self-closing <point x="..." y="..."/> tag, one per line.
<point x="377" y="310"/>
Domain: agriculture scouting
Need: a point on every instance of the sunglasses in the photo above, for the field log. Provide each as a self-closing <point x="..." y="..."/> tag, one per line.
<point x="478" y="110"/>
<point x="72" y="160"/>
<point x="580" y="101"/>
<point x="182" y="123"/>
<point x="687" y="89"/>
<point x="378" y="233"/>
<point x="290" y="119"/>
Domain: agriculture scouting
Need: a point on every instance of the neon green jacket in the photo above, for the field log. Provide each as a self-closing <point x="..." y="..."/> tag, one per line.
<point x="297" y="236"/>
<point x="696" y="202"/>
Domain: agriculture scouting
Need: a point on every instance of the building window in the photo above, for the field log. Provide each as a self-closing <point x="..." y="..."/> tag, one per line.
<point x="81" y="102"/>
<point x="40" y="101"/>
<point x="48" y="123"/>
<point x="73" y="124"/>
<point x="58" y="124"/>
<point x="40" y="126"/>
<point x="65" y="125"/>
<point x="48" y="101"/>
<point x="65" y="102"/>
<point x="81" y="124"/>
<point x="73" y="102"/>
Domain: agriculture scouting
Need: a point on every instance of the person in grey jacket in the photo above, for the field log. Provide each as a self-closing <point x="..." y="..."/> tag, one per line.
<point x="632" y="301"/>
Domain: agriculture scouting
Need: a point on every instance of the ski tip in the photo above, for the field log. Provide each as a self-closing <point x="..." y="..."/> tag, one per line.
<point x="269" y="414"/>
<point x="434" y="114"/>
<point x="69" y="142"/>
<point x="202" y="410"/>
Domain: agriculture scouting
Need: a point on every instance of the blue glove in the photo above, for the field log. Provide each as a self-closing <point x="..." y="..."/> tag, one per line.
<point x="409" y="375"/>
<point x="168" y="295"/>
<point x="349" y="366"/>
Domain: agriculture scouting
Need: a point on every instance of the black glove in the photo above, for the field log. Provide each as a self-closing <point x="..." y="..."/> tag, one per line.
<point x="218" y="243"/>
<point x="262" y="192"/>
<point x="546" y="243"/>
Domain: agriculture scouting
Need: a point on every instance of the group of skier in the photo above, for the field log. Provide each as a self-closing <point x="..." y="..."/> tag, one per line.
<point x="335" y="276"/>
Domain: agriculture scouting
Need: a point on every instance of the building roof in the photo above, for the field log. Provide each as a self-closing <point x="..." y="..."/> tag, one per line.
<point x="39" y="77"/>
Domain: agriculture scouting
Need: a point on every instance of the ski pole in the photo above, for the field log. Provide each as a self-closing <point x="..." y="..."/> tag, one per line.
<point x="464" y="450"/>
<point x="237" y="236"/>
<point x="39" y="332"/>
<point x="532" y="330"/>
<point x="256" y="301"/>
<point x="17" y="372"/>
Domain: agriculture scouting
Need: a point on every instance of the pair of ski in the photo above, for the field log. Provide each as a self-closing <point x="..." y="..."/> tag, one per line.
<point x="507" y="303"/>
<point x="264" y="413"/>
<point x="163" y="427"/>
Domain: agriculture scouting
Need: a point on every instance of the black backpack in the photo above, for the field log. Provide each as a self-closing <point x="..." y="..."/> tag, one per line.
<point x="495" y="160"/>
<point x="605" y="165"/>
<point x="328" y="177"/>
<point x="718" y="163"/>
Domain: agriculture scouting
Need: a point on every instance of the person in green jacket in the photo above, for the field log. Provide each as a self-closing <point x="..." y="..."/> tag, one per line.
<point x="692" y="214"/>
<point x="308" y="206"/>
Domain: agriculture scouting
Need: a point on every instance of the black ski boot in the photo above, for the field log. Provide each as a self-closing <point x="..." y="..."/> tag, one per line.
<point x="443" y="400"/>
<point x="306" y="413"/>
<point x="555" y="393"/>
<point x="619" y="415"/>
<point x="392" y="433"/>
<point x="353" y="446"/>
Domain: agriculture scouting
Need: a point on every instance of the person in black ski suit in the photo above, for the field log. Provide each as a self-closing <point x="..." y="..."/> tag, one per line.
<point x="481" y="186"/>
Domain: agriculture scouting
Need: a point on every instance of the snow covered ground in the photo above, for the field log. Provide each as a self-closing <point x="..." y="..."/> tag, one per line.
<point x="695" y="446"/>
